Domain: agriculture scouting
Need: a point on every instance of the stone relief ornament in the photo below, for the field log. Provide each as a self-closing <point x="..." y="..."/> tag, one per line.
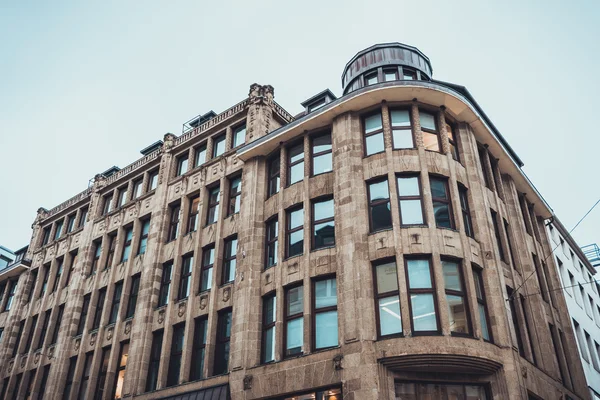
<point x="36" y="358"/>
<point x="23" y="361"/>
<point x="127" y="327"/>
<point x="109" y="333"/>
<point x="51" y="352"/>
<point x="77" y="344"/>
<point x="10" y="365"/>
<point x="181" y="308"/>
<point x="337" y="362"/>
<point x="248" y="382"/>
<point x="93" y="339"/>
<point x="161" y="316"/>
<point x="226" y="294"/>
<point x="203" y="301"/>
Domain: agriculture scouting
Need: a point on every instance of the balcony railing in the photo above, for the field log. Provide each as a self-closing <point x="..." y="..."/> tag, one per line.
<point x="592" y="252"/>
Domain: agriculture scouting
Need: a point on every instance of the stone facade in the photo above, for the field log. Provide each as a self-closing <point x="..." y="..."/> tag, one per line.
<point x="98" y="254"/>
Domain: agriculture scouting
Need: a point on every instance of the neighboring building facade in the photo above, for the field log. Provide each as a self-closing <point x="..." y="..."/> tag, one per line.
<point x="580" y="283"/>
<point x="6" y="257"/>
<point x="378" y="246"/>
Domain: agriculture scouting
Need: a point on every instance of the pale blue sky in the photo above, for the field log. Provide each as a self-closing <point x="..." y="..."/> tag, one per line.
<point x="86" y="85"/>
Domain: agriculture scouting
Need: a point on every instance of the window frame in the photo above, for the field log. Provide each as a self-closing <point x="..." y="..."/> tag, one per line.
<point x="314" y="155"/>
<point x="482" y="301"/>
<point x="430" y="131"/>
<point x="185" y="276"/>
<point x="152" y="178"/>
<point x="199" y="346"/>
<point x="410" y="197"/>
<point x="175" y="355"/>
<point x="99" y="309"/>
<point x="213" y="205"/>
<point x="453" y="139"/>
<point x="207" y="266"/>
<point x="432" y="291"/>
<point x="289" y="231"/>
<point x="124" y="347"/>
<point x="121" y="196"/>
<point x="174" y="220"/>
<point x="229" y="258"/>
<point x="182" y="164"/>
<point x="107" y="205"/>
<point x="82" y="217"/>
<point x="127" y="243"/>
<point x="202" y="148"/>
<point x="371" y="203"/>
<point x="291" y="164"/>
<point x="217" y="139"/>
<point x="164" y="292"/>
<point x="46" y="235"/>
<point x="116" y="303"/>
<point x="377" y="296"/>
<point x="85" y="309"/>
<point x="232" y="207"/>
<point x="112" y="245"/>
<point x="287" y="318"/>
<point x="133" y="295"/>
<point x="137" y="188"/>
<point x="143" y="243"/>
<point x="71" y="222"/>
<point x="237" y="129"/>
<point x="271" y="241"/>
<point x="314" y="223"/>
<point x="463" y="198"/>
<point x="273" y="177"/>
<point x="447" y="201"/>
<point x="402" y="128"/>
<point x="268" y="326"/>
<point x="314" y="311"/>
<point x="96" y="256"/>
<point x="154" y="363"/>
<point x="459" y="293"/>
<point x="223" y="340"/>
<point x="379" y="131"/>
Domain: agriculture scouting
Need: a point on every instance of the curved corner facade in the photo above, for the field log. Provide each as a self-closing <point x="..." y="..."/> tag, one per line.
<point x="385" y="246"/>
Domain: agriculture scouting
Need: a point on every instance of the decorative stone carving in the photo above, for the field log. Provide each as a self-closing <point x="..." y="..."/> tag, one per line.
<point x="161" y="316"/>
<point x="226" y="294"/>
<point x="337" y="362"/>
<point x="10" y="365"/>
<point x="77" y="344"/>
<point x="268" y="278"/>
<point x="169" y="142"/>
<point x="109" y="333"/>
<point x="488" y="255"/>
<point x="181" y="308"/>
<point x="127" y="327"/>
<point x="248" y="382"/>
<point x="415" y="238"/>
<point x="51" y="352"/>
<point x="203" y="301"/>
<point x="381" y="243"/>
<point x="292" y="267"/>
<point x="36" y="358"/>
<point x="93" y="339"/>
<point x="23" y="361"/>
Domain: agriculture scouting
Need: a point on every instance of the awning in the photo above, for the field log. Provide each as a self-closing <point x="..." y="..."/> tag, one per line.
<point x="213" y="393"/>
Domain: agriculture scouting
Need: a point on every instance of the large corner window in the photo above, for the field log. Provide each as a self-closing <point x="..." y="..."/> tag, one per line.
<point x="421" y="296"/>
<point x="430" y="132"/>
<point x="401" y="129"/>
<point x="295" y="232"/>
<point x="294" y="321"/>
<point x="410" y="200"/>
<point x="387" y="299"/>
<point x="295" y="172"/>
<point x="380" y="216"/>
<point x="322" y="154"/>
<point x="373" y="127"/>
<point x="442" y="208"/>
<point x="456" y="297"/>
<point x="325" y="313"/>
<point x="323" y="226"/>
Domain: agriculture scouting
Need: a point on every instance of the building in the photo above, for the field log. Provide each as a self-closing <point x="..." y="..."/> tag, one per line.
<point x="592" y="253"/>
<point x="381" y="245"/>
<point x="6" y="257"/>
<point x="582" y="293"/>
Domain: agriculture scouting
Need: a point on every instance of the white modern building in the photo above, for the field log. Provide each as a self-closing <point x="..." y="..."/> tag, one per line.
<point x="582" y="294"/>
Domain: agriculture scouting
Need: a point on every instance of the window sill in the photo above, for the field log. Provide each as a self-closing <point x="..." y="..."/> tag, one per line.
<point x="373" y="154"/>
<point x="391" y="336"/>
<point x="207" y="225"/>
<point x="164" y="306"/>
<point x="403" y="148"/>
<point x="447" y="229"/>
<point x="381" y="230"/>
<point x="323" y="248"/>
<point x="320" y="173"/>
<point x="414" y="226"/>
<point x="294" y="256"/>
<point x="427" y="333"/>
<point x="293" y="183"/>
<point x="462" y="335"/>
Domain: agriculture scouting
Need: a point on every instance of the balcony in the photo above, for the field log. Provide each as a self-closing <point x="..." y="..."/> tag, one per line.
<point x="592" y="253"/>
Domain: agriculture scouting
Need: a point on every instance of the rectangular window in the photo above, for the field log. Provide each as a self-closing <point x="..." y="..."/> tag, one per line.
<point x="45" y="278"/>
<point x="581" y="341"/>
<point x="133" y="295"/>
<point x="208" y="261"/>
<point x="45" y="373"/>
<point x="218" y="145"/>
<point x="46" y="235"/>
<point x="268" y="330"/>
<point x="185" y="279"/>
<point x="373" y="131"/>
<point x="419" y="390"/>
<point x="322" y="153"/>
<point x="137" y="189"/>
<point x="229" y="261"/>
<point x="87" y="367"/>
<point x="18" y="379"/>
<point x="371" y="78"/>
<point x="200" y="155"/>
<point x="380" y="216"/>
<point x="152" y="378"/>
<point x="542" y="283"/>
<point x="213" y="205"/>
<point x="271" y="242"/>
<point x="82" y="217"/>
<point x="239" y="135"/>
<point x="387" y="299"/>
<point x="120" y="378"/>
<point x="70" y="377"/>
<point x="442" y="207"/>
<point x="58" y="231"/>
<point x="99" y="308"/>
<point x="235" y="195"/>
<point x="144" y="237"/>
<point x="114" y="310"/>
<point x="33" y="280"/>
<point x="421" y="296"/>
<point x="84" y="313"/>
<point x="12" y="289"/>
<point x="390" y="74"/>
<point x="104" y="359"/>
<point x="466" y="212"/>
<point x="294" y="321"/>
<point x="57" y="276"/>
<point x="295" y="171"/>
<point x="323" y="226"/>
<point x="192" y="224"/>
<point x="31" y="333"/>
<point x="199" y="349"/>
<point x="410" y="200"/>
<point x="515" y="321"/>
<point x="112" y="246"/>
<point x="127" y="245"/>
<point x="429" y="130"/>
<point x="152" y="180"/>
<point x="498" y="234"/>
<point x="71" y="267"/>
<point x="452" y="141"/>
<point x="222" y="346"/>
<point x="526" y="318"/>
<point x="401" y="129"/>
<point x="273" y="168"/>
<point x="30" y="378"/>
<point x="295" y="232"/>
<point x="70" y="223"/>
<point x="96" y="259"/>
<point x="484" y="318"/>
<point x="107" y="204"/>
<point x="121" y="197"/>
<point x="485" y="169"/>
<point x="57" y="324"/>
<point x="456" y="297"/>
<point x="554" y="337"/>
<point x="18" y="340"/>
<point x="175" y="210"/>
<point x="325" y="314"/>
<point x="176" y="355"/>
<point x="44" y="331"/>
<point x="182" y="164"/>
<point x="510" y="246"/>
<point x="409" y="74"/>
<point x="165" y="284"/>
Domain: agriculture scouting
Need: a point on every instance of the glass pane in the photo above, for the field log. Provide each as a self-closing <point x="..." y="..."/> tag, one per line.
<point x="403" y="139"/>
<point x="430" y="141"/>
<point x="296" y="153"/>
<point x="296" y="243"/>
<point x="270" y="310"/>
<point x="322" y="164"/>
<point x="373" y="123"/>
<point x="296" y="173"/>
<point x="410" y="212"/>
<point x="451" y="275"/>
<point x="387" y="278"/>
<point x="449" y="132"/>
<point x="454" y="392"/>
<point x="374" y="143"/>
<point x="274" y="166"/>
<point x="236" y="185"/>
<point x="390" y="321"/>
<point x="475" y="393"/>
<point x="457" y="314"/>
<point x="442" y="214"/>
<point x="427" y="120"/>
<point x="295" y="300"/>
<point x="419" y="275"/>
<point x="272" y="254"/>
<point x="324" y="234"/>
<point x="270" y="344"/>
<point x="219" y="146"/>
<point x="400" y="118"/>
<point x="326" y="333"/>
<point x="294" y="339"/>
<point x="389" y="76"/>
<point x="325" y="293"/>
<point x="478" y="283"/>
<point x="296" y="218"/>
<point x="371" y="79"/>
<point x="438" y="188"/>
<point x="405" y="391"/>
<point x="379" y="190"/>
<point x="485" y="332"/>
<point x="423" y="311"/>
<point x="409" y="186"/>
<point x="239" y="136"/>
<point x="323" y="209"/>
<point x="321" y="143"/>
<point x="206" y="279"/>
<point x="381" y="216"/>
<point x="200" y="156"/>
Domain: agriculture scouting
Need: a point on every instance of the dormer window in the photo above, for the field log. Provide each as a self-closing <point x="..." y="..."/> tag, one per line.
<point x="318" y="101"/>
<point x="316" y="105"/>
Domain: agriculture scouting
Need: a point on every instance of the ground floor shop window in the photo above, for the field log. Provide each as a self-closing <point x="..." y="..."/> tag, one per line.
<point x="440" y="391"/>
<point x="324" y="394"/>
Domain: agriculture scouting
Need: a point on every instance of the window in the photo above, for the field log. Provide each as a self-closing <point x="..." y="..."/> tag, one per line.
<point x="387" y="300"/>
<point x="87" y="366"/>
<point x="57" y="324"/>
<point x="120" y="378"/>
<point x="176" y="355"/>
<point x="199" y="349"/>
<point x="121" y="197"/>
<point x="484" y="318"/>
<point x="458" y="308"/>
<point x="45" y="280"/>
<point x="429" y="130"/>
<point x="59" y="270"/>
<point x="410" y="200"/>
<point x="419" y="390"/>
<point x="401" y="129"/>
<point x="185" y="279"/>
<point x="542" y="283"/>
<point x="84" y="313"/>
<point x="409" y="74"/>
<point x="222" y="346"/>
<point x="182" y="164"/>
<point x="581" y="341"/>
<point x="229" y="262"/>
<point x="558" y="356"/>
<point x="114" y="310"/>
<point x="294" y="321"/>
<point x="152" y="180"/>
<point x="271" y="242"/>
<point x="96" y="259"/>
<point x="235" y="195"/>
<point x="133" y="295"/>
<point x="46" y="235"/>
<point x="31" y="333"/>
<point x="239" y="135"/>
<point x="174" y="222"/>
<point x="323" y="227"/>
<point x="295" y="232"/>
<point x="127" y="244"/>
<point x="273" y="168"/>
<point x="510" y="247"/>
<point x="295" y="163"/>
<point x="70" y="268"/>
<point x="18" y="340"/>
<point x="421" y="296"/>
<point x="591" y="346"/>
<point x="213" y="205"/>
<point x="192" y="224"/>
<point x="452" y="141"/>
<point x="144" y="238"/>
<point x="156" y="349"/>
<point x="466" y="212"/>
<point x="112" y="244"/>
<point x="31" y="378"/>
<point x="218" y="145"/>
<point x="325" y="314"/>
<point x="200" y="155"/>
<point x="44" y="331"/>
<point x="442" y="209"/>
<point x="380" y="216"/>
<point x="137" y="189"/>
<point x="107" y="204"/>
<point x="390" y="74"/>
<point x="497" y="234"/>
<point x="165" y="284"/>
<point x="99" y="392"/>
<point x="515" y="321"/>
<point x="45" y="373"/>
<point x="33" y="280"/>
<point x="12" y="289"/>
<point x="208" y="261"/>
<point x="82" y="217"/>
<point x="526" y="318"/>
<point x="371" y="78"/>
<point x="373" y="134"/>
<point x="58" y="231"/>
<point x="322" y="161"/>
<point x="268" y="330"/>
<point x="99" y="308"/>
<point x="70" y="223"/>
<point x="70" y="377"/>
